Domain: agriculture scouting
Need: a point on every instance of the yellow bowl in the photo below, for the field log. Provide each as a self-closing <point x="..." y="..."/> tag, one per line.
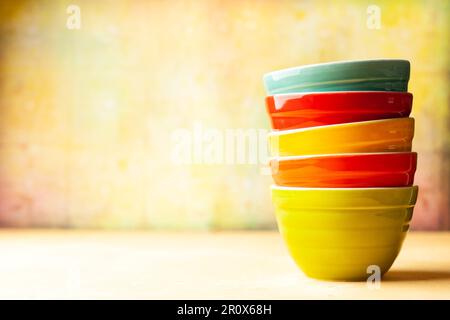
<point x="336" y="234"/>
<point x="391" y="135"/>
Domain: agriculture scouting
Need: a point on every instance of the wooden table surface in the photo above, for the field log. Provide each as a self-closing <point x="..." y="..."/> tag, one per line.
<point x="227" y="265"/>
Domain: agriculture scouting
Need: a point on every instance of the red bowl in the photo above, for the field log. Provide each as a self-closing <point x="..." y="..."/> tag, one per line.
<point x="303" y="110"/>
<point x="363" y="170"/>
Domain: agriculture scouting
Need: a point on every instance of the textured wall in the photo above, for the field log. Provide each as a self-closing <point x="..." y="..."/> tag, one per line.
<point x="86" y="115"/>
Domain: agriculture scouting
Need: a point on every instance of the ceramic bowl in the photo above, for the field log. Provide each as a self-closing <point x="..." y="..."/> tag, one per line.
<point x="340" y="234"/>
<point x="357" y="170"/>
<point x="391" y="135"/>
<point x="359" y="75"/>
<point x="303" y="110"/>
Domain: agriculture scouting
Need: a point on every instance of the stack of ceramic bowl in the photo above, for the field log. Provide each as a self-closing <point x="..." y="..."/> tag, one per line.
<point x="342" y="164"/>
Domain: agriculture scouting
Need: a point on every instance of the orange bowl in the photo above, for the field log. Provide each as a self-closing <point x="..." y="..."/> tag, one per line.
<point x="363" y="170"/>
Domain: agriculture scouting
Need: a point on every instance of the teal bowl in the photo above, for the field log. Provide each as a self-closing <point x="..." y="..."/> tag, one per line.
<point x="358" y="75"/>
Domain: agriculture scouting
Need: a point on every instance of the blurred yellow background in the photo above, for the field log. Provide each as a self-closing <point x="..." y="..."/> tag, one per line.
<point x="86" y="115"/>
